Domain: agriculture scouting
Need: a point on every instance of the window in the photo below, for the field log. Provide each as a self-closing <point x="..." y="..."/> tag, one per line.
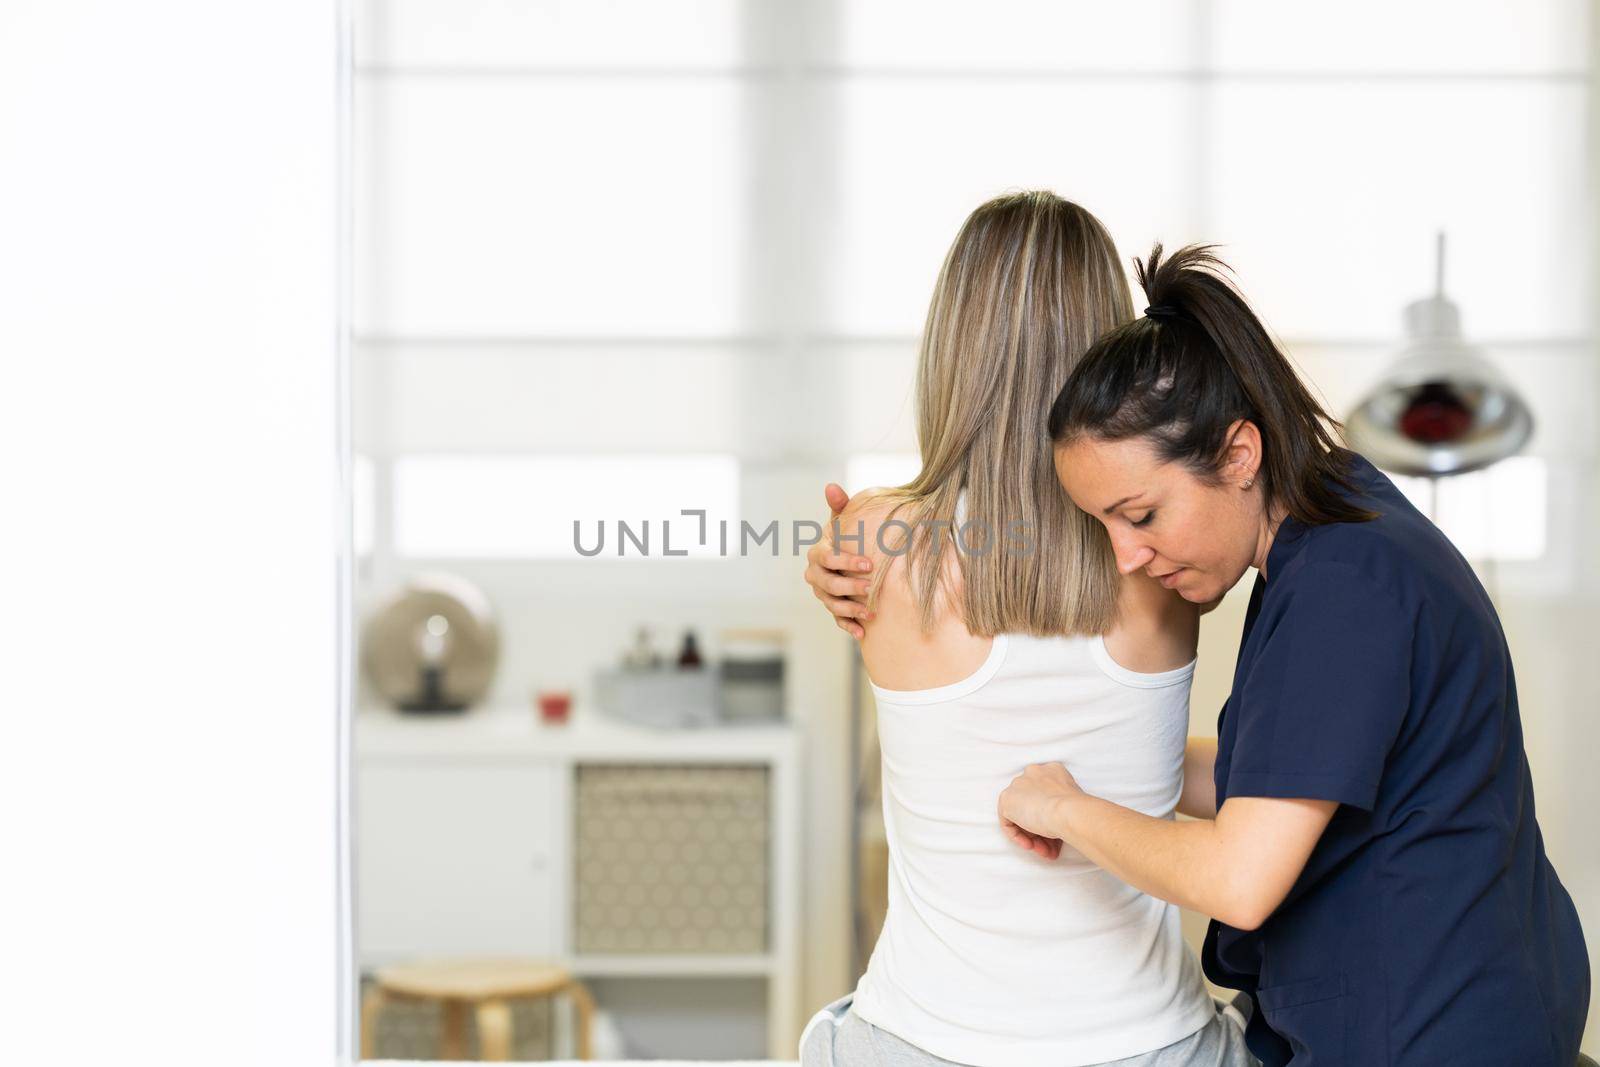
<point x="525" y="507"/>
<point x="1497" y="513"/>
<point x="870" y="469"/>
<point x="694" y="227"/>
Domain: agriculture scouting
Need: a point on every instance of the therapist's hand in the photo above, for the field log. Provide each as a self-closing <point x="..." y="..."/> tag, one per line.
<point x="1028" y="807"/>
<point x="836" y="578"/>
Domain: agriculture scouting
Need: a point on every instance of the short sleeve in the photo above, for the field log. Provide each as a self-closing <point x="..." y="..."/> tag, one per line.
<point x="1326" y="693"/>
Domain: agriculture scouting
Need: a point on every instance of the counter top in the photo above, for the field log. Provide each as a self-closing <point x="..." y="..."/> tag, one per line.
<point x="505" y="731"/>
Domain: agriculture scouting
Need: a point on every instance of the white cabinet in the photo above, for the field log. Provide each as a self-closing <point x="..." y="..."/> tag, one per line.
<point x="464" y="844"/>
<point x="456" y="858"/>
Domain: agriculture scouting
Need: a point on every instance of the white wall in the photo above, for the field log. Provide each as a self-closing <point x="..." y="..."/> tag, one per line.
<point x="172" y="514"/>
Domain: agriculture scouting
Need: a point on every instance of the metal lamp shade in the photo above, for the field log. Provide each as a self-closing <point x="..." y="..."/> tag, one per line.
<point x="432" y="646"/>
<point x="1442" y="408"/>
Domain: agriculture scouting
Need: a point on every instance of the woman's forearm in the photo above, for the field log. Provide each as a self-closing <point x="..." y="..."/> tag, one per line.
<point x="1180" y="862"/>
<point x="1237" y="867"/>
<point x="1199" y="797"/>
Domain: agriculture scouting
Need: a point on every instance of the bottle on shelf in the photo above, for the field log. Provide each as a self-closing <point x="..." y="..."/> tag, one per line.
<point x="689" y="656"/>
<point x="642" y="656"/>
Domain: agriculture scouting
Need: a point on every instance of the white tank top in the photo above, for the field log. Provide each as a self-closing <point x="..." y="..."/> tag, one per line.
<point x="991" y="955"/>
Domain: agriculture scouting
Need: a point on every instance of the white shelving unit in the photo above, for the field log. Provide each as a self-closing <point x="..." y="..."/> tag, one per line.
<point x="464" y="842"/>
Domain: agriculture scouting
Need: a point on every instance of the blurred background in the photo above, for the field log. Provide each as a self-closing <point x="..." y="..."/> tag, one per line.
<point x="619" y="259"/>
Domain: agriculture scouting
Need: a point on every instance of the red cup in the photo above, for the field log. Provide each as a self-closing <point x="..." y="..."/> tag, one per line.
<point x="555" y="705"/>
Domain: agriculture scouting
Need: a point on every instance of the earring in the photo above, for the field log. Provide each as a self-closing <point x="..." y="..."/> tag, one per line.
<point x="1248" y="482"/>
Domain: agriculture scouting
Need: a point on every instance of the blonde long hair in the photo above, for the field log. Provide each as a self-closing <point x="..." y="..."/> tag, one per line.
<point x="1030" y="283"/>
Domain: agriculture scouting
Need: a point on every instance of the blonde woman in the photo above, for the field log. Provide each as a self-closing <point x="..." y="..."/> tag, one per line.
<point x="997" y="632"/>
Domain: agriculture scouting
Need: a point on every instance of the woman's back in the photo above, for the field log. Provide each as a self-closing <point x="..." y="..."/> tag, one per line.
<point x="991" y="954"/>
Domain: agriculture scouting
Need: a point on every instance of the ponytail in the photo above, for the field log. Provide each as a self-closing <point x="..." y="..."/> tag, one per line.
<point x="1198" y="361"/>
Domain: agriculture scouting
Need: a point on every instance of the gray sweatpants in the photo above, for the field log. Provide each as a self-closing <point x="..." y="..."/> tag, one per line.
<point x="838" y="1037"/>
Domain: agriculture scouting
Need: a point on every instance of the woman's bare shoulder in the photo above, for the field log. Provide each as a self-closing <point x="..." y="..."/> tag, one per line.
<point x="865" y="527"/>
<point x="899" y="652"/>
<point x="1156" y="629"/>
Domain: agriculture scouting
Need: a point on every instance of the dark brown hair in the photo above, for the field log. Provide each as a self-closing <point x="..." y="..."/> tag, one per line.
<point x="1195" y="363"/>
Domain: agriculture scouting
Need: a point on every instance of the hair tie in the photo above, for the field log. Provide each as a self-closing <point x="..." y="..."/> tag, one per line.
<point x="1161" y="311"/>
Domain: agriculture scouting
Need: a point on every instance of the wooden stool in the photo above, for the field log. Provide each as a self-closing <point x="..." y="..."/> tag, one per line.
<point x="485" y="986"/>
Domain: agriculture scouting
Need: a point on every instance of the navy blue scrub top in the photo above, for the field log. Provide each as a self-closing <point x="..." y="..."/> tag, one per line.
<point x="1427" y="927"/>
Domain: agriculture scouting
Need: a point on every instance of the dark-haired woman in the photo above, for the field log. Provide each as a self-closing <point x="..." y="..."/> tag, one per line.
<point x="1373" y="867"/>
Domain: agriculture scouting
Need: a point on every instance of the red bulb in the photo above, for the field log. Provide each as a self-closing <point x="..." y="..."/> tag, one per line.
<point x="1436" y="414"/>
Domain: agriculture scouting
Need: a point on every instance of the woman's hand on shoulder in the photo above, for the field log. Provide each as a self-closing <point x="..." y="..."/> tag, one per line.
<point x="839" y="577"/>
